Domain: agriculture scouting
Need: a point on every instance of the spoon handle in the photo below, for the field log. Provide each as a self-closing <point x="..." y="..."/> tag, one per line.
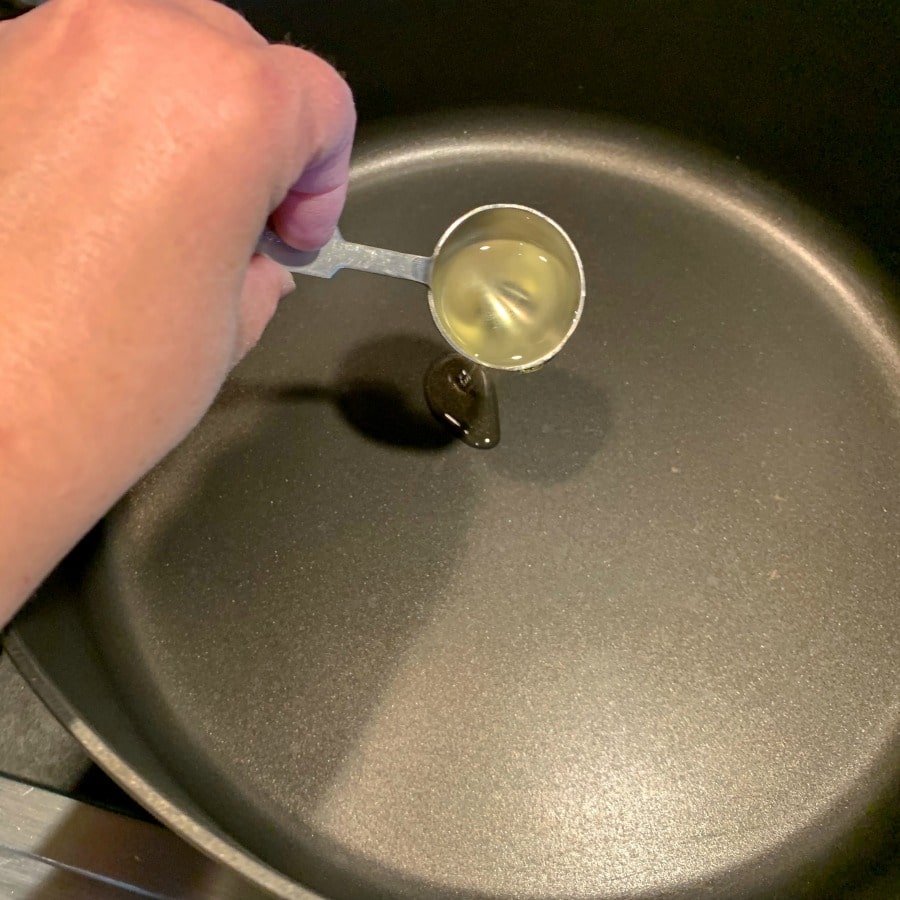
<point x="340" y="254"/>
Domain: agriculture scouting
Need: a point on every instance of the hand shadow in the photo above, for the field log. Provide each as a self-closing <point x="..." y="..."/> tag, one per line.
<point x="378" y="391"/>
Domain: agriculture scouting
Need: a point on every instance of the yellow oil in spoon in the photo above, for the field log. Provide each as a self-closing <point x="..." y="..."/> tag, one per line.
<point x="497" y="301"/>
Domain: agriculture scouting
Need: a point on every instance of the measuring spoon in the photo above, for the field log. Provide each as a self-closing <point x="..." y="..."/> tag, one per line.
<point x="528" y="322"/>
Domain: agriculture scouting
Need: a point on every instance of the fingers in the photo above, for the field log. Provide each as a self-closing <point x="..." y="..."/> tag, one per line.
<point x="307" y="221"/>
<point x="265" y="283"/>
<point x="319" y="122"/>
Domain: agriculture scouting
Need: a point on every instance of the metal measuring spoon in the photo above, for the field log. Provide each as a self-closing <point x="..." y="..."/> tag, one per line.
<point x="538" y="326"/>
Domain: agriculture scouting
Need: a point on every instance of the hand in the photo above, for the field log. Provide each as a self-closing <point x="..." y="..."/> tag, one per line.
<point x="145" y="145"/>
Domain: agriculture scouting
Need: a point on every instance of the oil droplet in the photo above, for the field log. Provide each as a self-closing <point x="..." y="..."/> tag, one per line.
<point x="462" y="396"/>
<point x="506" y="303"/>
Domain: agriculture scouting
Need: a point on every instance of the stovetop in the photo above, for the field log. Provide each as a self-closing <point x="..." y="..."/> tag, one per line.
<point x="35" y="748"/>
<point x="67" y="832"/>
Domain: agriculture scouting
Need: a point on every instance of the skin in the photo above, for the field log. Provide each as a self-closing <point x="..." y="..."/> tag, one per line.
<point x="144" y="147"/>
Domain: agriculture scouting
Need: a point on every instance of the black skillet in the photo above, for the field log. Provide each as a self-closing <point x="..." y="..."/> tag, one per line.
<point x="649" y="647"/>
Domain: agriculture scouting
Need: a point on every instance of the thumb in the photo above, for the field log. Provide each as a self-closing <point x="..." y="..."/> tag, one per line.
<point x="265" y="283"/>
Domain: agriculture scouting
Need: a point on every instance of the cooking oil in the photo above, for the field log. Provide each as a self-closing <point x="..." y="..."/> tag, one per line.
<point x="496" y="301"/>
<point x="461" y="395"/>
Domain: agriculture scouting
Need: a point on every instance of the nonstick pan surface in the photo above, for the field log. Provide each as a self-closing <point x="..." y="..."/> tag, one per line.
<point x="647" y="647"/>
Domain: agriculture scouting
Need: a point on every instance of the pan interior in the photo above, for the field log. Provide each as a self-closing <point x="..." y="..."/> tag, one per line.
<point x="648" y="643"/>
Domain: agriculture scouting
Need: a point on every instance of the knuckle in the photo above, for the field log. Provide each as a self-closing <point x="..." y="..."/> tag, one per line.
<point x="331" y="94"/>
<point x="334" y="92"/>
<point x="253" y="87"/>
<point x="100" y="20"/>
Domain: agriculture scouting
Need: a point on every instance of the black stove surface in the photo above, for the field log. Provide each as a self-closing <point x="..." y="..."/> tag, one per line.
<point x="35" y="748"/>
